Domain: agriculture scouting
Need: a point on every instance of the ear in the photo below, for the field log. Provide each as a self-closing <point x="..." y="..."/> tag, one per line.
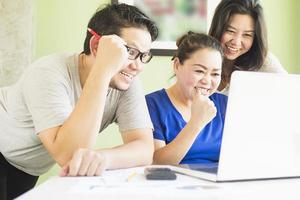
<point x="176" y="64"/>
<point x="94" y="45"/>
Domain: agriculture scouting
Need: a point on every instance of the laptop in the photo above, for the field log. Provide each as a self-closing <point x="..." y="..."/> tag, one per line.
<point x="261" y="137"/>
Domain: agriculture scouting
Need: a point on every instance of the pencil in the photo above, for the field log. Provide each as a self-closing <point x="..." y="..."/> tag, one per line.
<point x="130" y="177"/>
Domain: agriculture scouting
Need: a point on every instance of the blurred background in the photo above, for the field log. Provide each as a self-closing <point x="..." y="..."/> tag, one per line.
<point x="30" y="29"/>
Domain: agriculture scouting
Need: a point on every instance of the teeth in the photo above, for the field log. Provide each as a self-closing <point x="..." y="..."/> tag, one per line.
<point x="232" y="49"/>
<point x="203" y="91"/>
<point x="126" y="74"/>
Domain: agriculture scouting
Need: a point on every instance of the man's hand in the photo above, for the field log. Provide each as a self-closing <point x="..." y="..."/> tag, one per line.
<point x="86" y="162"/>
<point x="111" y="54"/>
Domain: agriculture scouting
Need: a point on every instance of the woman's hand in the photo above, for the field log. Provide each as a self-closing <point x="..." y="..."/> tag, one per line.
<point x="203" y="109"/>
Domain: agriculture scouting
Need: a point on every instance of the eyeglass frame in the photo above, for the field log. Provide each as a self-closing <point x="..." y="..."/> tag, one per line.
<point x="138" y="55"/>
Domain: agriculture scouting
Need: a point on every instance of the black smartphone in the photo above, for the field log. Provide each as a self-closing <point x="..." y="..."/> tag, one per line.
<point x="159" y="173"/>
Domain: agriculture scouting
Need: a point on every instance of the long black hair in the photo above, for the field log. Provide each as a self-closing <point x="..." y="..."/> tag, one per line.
<point x="255" y="57"/>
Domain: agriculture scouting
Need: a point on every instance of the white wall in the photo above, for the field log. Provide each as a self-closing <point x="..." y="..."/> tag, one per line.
<point x="16" y="33"/>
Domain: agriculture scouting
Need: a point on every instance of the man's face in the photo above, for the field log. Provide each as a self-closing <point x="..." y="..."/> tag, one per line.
<point x="139" y="39"/>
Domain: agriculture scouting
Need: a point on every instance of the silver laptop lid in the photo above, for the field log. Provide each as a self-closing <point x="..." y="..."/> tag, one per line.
<point x="261" y="137"/>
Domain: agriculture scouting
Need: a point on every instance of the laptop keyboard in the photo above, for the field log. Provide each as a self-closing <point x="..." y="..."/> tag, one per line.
<point x="211" y="170"/>
<point x="208" y="169"/>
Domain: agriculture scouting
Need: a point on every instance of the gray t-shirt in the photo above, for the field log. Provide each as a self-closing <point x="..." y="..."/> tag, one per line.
<point x="44" y="97"/>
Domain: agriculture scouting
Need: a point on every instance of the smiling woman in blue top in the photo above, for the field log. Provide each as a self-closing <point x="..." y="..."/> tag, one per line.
<point x="188" y="117"/>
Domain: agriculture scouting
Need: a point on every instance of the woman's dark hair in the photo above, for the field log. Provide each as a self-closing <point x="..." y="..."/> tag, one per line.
<point x="255" y="57"/>
<point x="112" y="18"/>
<point x="191" y="42"/>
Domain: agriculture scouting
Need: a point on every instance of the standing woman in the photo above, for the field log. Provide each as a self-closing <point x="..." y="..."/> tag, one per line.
<point x="240" y="27"/>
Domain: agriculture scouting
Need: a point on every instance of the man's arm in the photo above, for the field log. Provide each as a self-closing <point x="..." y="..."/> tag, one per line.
<point x="137" y="150"/>
<point x="81" y="127"/>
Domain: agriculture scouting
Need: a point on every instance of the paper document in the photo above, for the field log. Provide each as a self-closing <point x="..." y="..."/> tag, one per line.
<point x="123" y="180"/>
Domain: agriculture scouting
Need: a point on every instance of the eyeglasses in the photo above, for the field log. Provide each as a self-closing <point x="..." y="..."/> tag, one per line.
<point x="134" y="53"/>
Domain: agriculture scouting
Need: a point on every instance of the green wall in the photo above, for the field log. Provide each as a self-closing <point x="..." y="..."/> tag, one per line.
<point x="282" y="18"/>
<point x="60" y="24"/>
<point x="60" y="27"/>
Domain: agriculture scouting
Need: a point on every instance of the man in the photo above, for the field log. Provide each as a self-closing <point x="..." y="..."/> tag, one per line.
<point x="54" y="112"/>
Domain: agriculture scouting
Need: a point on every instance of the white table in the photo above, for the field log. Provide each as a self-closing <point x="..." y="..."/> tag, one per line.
<point x="113" y="185"/>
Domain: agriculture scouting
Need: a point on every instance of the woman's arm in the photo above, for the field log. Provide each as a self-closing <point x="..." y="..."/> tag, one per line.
<point x="272" y="64"/>
<point x="203" y="111"/>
